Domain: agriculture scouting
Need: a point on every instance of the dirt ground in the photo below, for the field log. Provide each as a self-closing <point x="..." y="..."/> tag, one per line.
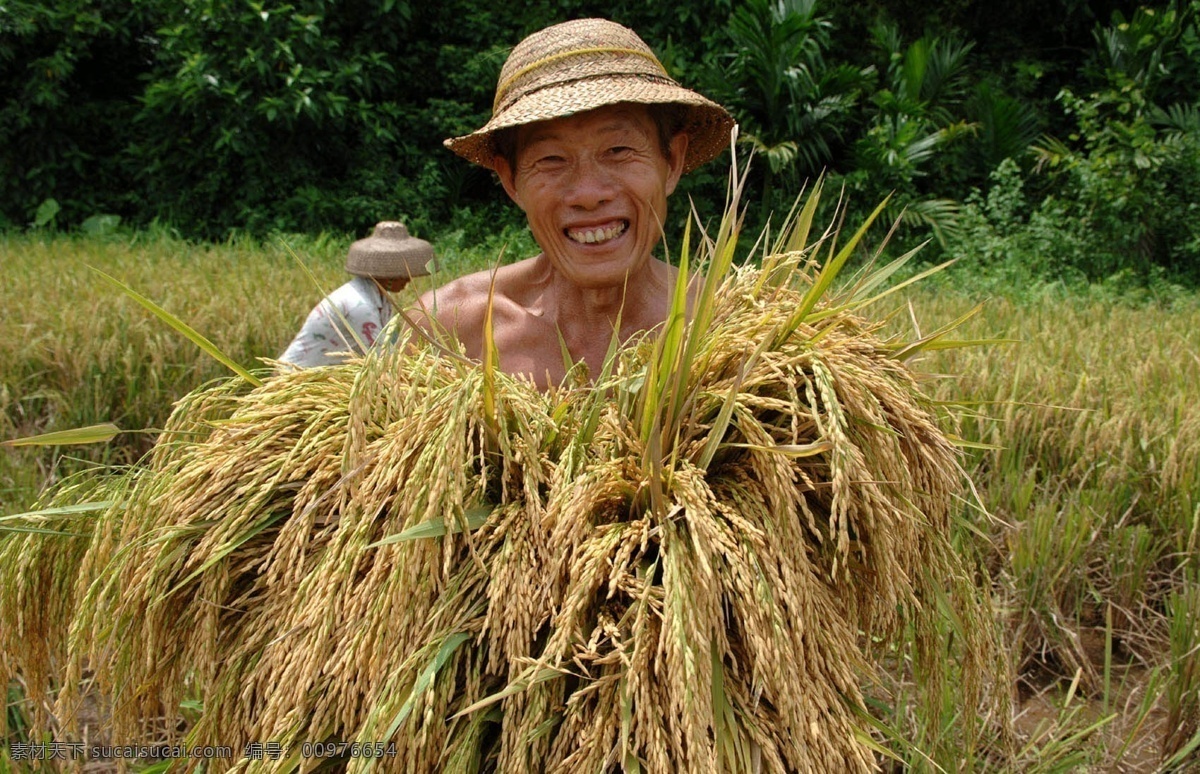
<point x="1124" y="736"/>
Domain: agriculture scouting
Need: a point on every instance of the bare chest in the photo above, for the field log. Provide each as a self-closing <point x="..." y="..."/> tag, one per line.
<point x="541" y="351"/>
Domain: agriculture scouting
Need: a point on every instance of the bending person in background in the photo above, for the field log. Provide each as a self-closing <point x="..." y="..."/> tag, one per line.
<point x="348" y="319"/>
<point x="589" y="136"/>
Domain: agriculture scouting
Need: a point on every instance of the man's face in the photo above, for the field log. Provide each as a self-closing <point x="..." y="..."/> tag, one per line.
<point x="393" y="284"/>
<point x="594" y="187"/>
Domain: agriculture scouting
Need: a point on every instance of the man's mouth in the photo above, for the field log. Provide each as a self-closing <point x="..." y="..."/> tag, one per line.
<point x="597" y="234"/>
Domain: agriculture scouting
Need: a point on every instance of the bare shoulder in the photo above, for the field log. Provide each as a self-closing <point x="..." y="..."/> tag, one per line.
<point x="455" y="299"/>
<point x="461" y="304"/>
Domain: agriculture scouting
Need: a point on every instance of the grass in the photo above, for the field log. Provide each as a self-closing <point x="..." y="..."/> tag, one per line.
<point x="1093" y="485"/>
<point x="75" y="352"/>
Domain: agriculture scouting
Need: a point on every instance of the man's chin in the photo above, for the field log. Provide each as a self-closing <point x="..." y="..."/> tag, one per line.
<point x="599" y="274"/>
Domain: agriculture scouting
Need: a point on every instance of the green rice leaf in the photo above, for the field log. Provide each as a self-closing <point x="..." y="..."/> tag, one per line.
<point x="473" y="518"/>
<point x="491" y="357"/>
<point x="596" y="398"/>
<point x="41" y="531"/>
<point x="884" y="273"/>
<point x="665" y="367"/>
<point x="926" y="342"/>
<point x="964" y="343"/>
<point x="789" y="449"/>
<point x="64" y="510"/>
<point x="721" y="424"/>
<point x="227" y="549"/>
<point x="191" y="333"/>
<point x="800" y="231"/>
<point x="678" y="341"/>
<point x="830" y="271"/>
<point x="631" y="761"/>
<point x="564" y="351"/>
<point x="1183" y="754"/>
<point x="495" y="715"/>
<point x="731" y="753"/>
<point x="515" y="687"/>
<point x="426" y="678"/>
<point x="891" y="734"/>
<point x="80" y="435"/>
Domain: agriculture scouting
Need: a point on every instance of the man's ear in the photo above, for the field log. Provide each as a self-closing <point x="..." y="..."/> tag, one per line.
<point x="679" y="146"/>
<point x="507" y="177"/>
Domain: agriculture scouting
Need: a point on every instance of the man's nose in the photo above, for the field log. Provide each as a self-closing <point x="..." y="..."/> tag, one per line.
<point x="591" y="185"/>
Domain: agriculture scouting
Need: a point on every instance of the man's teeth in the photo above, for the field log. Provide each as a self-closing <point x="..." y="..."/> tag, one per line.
<point x="597" y="235"/>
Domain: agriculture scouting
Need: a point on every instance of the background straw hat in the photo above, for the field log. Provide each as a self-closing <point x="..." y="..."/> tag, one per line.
<point x="582" y="65"/>
<point x="389" y="253"/>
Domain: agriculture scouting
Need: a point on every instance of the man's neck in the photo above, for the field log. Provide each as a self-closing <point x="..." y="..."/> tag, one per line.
<point x="586" y="318"/>
<point x="638" y="304"/>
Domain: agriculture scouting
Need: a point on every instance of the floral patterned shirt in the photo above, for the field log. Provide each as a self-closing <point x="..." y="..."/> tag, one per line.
<point x="325" y="338"/>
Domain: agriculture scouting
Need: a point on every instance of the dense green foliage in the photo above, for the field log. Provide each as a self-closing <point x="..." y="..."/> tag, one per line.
<point x="316" y="115"/>
<point x="309" y="116"/>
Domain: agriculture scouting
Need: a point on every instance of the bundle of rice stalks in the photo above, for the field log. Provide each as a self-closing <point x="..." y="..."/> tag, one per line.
<point x="694" y="560"/>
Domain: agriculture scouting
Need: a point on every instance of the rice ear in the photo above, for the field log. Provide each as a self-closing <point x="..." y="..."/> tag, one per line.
<point x="703" y="561"/>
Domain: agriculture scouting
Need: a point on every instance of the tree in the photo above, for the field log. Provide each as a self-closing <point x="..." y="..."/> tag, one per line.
<point x="918" y="113"/>
<point x="69" y="72"/>
<point x="792" y="103"/>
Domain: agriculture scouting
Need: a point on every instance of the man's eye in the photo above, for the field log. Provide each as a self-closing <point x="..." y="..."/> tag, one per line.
<point x="620" y="150"/>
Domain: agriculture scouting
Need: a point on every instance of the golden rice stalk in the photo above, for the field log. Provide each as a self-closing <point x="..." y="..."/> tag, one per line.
<point x="414" y="550"/>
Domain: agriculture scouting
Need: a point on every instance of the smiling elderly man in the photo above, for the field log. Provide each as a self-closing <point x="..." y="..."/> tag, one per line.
<point x="589" y="136"/>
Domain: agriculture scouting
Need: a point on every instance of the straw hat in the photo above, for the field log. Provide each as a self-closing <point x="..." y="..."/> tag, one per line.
<point x="582" y="65"/>
<point x="389" y="253"/>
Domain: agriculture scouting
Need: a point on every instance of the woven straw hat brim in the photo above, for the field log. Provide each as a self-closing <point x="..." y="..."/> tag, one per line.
<point x="708" y="124"/>
<point x="390" y="263"/>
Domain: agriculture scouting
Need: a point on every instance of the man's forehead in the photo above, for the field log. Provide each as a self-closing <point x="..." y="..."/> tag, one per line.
<point x="604" y="120"/>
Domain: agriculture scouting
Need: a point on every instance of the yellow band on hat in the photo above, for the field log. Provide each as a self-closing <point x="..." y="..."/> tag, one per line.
<point x="502" y="89"/>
